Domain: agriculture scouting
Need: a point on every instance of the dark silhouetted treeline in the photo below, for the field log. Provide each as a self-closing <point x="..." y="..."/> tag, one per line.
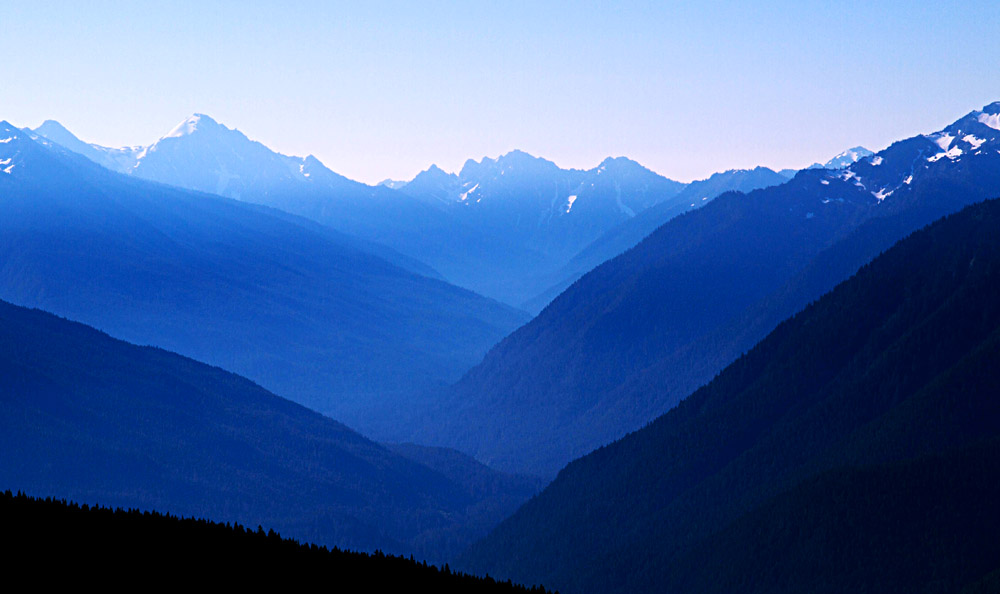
<point x="80" y="542"/>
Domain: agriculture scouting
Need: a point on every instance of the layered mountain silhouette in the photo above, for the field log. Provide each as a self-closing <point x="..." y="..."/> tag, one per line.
<point x="630" y="232"/>
<point x="500" y="227"/>
<point x="627" y="341"/>
<point x="303" y="310"/>
<point x="532" y="201"/>
<point x="855" y="448"/>
<point x="97" y="420"/>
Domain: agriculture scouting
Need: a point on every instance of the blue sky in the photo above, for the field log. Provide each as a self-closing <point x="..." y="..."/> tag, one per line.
<point x="383" y="89"/>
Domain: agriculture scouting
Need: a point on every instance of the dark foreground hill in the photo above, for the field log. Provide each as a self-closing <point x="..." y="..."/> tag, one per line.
<point x="84" y="543"/>
<point x="93" y="419"/>
<point x="854" y="449"/>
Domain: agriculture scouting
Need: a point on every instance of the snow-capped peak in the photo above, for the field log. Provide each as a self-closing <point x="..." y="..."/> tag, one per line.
<point x="191" y="125"/>
<point x="10" y="136"/>
<point x="11" y="144"/>
<point x="848" y="157"/>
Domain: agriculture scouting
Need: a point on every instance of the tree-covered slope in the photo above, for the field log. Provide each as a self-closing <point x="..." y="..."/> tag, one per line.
<point x="631" y="338"/>
<point x="918" y="526"/>
<point x="94" y="419"/>
<point x="84" y="544"/>
<point x="897" y="363"/>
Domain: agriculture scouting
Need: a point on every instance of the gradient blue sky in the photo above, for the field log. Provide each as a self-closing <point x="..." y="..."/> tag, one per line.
<point x="383" y="89"/>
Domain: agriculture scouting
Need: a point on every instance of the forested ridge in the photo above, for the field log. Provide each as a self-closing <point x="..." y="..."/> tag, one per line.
<point x="854" y="449"/>
<point x="83" y="541"/>
<point x="93" y="419"/>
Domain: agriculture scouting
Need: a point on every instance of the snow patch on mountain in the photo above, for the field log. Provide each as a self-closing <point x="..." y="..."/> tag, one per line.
<point x="975" y="142"/>
<point x="465" y="195"/>
<point x="188" y="126"/>
<point x="952" y="153"/>
<point x="849" y="175"/>
<point x="943" y="140"/>
<point x="882" y="194"/>
<point x="991" y="120"/>
<point x="569" y="203"/>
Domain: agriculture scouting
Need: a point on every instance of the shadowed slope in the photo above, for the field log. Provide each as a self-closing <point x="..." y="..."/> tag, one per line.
<point x="897" y="363"/>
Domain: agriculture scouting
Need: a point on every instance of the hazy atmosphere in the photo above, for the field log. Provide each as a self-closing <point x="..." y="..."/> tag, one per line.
<point x="381" y="90"/>
<point x="513" y="298"/>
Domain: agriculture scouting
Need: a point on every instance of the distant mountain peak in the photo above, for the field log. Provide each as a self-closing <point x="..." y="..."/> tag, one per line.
<point x="848" y="157"/>
<point x="54" y="131"/>
<point x="522" y="161"/>
<point x="992" y="108"/>
<point x="433" y="173"/>
<point x="9" y="146"/>
<point x="11" y="139"/>
<point x="392" y="184"/>
<point x="516" y="154"/>
<point x="198" y="121"/>
<point x="844" y="159"/>
<point x="619" y="163"/>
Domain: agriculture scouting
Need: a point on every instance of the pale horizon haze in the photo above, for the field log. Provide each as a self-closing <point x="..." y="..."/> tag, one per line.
<point x="382" y="90"/>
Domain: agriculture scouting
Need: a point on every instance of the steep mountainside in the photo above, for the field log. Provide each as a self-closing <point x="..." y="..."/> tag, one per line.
<point x="627" y="341"/>
<point x="856" y="448"/>
<point x="627" y="234"/>
<point x="94" y="419"/>
<point x="287" y="303"/>
<point x="497" y="494"/>
<point x="533" y="203"/>
<point x="551" y="210"/>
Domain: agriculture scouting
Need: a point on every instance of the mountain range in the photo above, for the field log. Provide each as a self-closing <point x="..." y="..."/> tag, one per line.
<point x="303" y="310"/>
<point x="512" y="228"/>
<point x="855" y="448"/>
<point x="628" y="340"/>
<point x="756" y="382"/>
<point x="518" y="223"/>
<point x="630" y="232"/>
